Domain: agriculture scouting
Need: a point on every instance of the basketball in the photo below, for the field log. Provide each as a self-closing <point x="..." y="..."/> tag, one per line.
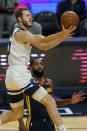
<point x="69" y="18"/>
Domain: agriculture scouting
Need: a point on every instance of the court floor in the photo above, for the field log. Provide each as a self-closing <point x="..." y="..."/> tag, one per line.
<point x="72" y="123"/>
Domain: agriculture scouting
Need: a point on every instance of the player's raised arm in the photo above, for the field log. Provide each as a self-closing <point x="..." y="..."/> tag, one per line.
<point x="42" y="42"/>
<point x="24" y="18"/>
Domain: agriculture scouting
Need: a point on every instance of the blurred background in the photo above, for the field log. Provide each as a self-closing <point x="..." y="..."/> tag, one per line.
<point x="66" y="64"/>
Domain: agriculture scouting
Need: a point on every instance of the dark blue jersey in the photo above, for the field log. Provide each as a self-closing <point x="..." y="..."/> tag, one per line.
<point x="35" y="109"/>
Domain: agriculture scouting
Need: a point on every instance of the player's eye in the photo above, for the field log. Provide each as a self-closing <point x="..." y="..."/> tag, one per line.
<point x="28" y="15"/>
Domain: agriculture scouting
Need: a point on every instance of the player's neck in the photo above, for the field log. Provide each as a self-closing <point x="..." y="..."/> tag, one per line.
<point x="23" y="27"/>
<point x="40" y="79"/>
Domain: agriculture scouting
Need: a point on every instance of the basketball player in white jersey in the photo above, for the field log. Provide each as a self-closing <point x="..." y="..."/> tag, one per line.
<point x="19" y="80"/>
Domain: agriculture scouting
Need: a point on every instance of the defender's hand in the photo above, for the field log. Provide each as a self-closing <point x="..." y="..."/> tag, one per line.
<point x="77" y="97"/>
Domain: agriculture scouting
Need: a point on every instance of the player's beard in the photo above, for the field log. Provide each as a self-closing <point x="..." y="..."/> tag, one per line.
<point x="26" y="24"/>
<point x="38" y="74"/>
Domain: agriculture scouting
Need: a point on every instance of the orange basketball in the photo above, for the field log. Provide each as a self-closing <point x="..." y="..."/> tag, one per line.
<point x="69" y="18"/>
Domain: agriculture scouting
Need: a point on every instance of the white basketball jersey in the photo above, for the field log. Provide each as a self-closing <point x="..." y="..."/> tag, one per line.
<point x="19" y="54"/>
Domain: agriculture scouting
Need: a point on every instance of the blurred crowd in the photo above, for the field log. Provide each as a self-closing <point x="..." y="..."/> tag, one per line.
<point x="45" y="22"/>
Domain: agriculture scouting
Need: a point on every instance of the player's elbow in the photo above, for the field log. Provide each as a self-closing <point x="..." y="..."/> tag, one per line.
<point x="45" y="49"/>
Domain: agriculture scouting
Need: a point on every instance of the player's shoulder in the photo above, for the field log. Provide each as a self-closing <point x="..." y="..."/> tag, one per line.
<point x="50" y="83"/>
<point x="21" y="35"/>
<point x="49" y="80"/>
<point x="18" y="31"/>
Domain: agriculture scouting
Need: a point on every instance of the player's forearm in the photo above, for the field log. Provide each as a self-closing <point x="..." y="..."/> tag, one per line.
<point x="63" y="102"/>
<point x="53" y="44"/>
<point x="52" y="38"/>
<point x="50" y="45"/>
<point x="39" y="40"/>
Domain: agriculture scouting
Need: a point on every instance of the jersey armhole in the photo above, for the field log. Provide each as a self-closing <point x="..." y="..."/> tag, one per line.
<point x="16" y="30"/>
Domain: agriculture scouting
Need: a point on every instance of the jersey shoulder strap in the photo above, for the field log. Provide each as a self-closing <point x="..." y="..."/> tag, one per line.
<point x="15" y="30"/>
<point x="48" y="81"/>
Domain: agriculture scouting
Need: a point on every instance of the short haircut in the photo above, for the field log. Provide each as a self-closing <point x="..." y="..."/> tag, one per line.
<point x="33" y="60"/>
<point x="19" y="12"/>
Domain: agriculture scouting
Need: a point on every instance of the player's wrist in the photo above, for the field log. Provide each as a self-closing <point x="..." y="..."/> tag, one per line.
<point x="71" y="101"/>
<point x="68" y="101"/>
<point x="65" y="32"/>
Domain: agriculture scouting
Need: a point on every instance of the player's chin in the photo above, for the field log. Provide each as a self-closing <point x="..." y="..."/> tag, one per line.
<point x="30" y="24"/>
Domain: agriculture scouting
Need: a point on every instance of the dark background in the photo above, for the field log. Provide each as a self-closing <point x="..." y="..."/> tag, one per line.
<point x="60" y="67"/>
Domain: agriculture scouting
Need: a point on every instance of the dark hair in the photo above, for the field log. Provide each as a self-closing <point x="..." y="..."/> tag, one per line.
<point x="19" y="12"/>
<point x="33" y="60"/>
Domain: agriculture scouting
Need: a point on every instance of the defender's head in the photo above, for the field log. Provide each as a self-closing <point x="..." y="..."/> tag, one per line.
<point x="24" y="16"/>
<point x="37" y="68"/>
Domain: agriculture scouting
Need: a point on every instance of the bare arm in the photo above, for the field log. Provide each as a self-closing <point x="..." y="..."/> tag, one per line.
<point x="51" y="45"/>
<point x="60" y="102"/>
<point x="42" y="42"/>
<point x="76" y="98"/>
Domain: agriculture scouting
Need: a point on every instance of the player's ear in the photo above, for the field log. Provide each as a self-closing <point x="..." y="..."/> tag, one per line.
<point x="20" y="19"/>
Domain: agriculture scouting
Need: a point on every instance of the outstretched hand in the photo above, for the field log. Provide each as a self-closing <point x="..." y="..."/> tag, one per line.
<point x="70" y="30"/>
<point x="77" y="97"/>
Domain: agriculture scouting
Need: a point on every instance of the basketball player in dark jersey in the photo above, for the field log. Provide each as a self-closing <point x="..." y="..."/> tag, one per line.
<point x="38" y="118"/>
